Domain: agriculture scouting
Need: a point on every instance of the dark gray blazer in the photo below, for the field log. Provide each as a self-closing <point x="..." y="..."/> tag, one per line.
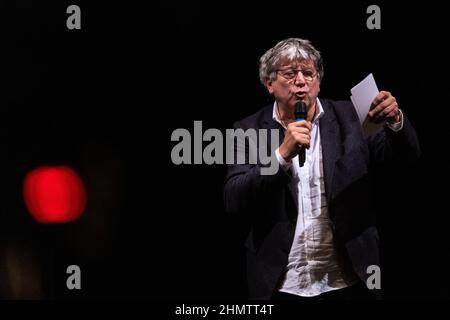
<point x="269" y="205"/>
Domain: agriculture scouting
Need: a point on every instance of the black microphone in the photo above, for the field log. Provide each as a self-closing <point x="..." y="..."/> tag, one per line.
<point x="300" y="115"/>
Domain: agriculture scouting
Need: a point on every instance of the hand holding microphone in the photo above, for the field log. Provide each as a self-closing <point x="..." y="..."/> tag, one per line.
<point x="297" y="136"/>
<point x="300" y="115"/>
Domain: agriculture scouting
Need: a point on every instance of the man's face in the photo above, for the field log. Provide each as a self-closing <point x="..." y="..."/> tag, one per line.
<point x="291" y="85"/>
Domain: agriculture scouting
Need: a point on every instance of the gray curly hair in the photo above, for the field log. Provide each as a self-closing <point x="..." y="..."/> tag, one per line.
<point x="285" y="51"/>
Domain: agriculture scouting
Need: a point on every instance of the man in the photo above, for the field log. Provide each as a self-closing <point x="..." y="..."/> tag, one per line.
<point x="312" y="224"/>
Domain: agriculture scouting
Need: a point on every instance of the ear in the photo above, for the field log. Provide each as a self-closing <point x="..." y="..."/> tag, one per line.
<point x="269" y="86"/>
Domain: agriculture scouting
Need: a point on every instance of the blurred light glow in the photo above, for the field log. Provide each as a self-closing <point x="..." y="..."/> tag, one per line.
<point x="54" y="194"/>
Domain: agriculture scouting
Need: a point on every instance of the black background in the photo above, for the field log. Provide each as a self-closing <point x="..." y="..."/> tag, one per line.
<point x="105" y="100"/>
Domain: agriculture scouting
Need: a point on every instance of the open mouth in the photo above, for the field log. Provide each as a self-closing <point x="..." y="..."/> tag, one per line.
<point x="300" y="95"/>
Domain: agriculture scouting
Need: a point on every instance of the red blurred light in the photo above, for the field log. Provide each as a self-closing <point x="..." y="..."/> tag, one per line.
<point x="54" y="194"/>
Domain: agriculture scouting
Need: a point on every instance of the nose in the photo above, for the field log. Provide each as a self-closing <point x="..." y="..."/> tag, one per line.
<point x="299" y="79"/>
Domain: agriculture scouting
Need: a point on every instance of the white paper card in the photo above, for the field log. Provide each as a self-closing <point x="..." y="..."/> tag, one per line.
<point x="362" y="96"/>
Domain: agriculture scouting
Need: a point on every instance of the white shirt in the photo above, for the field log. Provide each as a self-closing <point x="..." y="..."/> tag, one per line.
<point x="313" y="266"/>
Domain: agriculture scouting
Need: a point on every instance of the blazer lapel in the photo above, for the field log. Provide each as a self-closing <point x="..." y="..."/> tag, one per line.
<point x="330" y="140"/>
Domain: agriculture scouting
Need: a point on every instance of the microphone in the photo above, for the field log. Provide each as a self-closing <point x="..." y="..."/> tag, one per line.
<point x="300" y="115"/>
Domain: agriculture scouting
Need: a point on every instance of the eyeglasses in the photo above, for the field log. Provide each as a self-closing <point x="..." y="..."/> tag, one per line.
<point x="291" y="74"/>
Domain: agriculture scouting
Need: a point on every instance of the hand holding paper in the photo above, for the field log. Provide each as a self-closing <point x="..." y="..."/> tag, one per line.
<point x="365" y="95"/>
<point x="384" y="109"/>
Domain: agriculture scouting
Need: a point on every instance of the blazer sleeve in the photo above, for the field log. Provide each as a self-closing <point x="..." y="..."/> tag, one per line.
<point x="401" y="146"/>
<point x="245" y="187"/>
